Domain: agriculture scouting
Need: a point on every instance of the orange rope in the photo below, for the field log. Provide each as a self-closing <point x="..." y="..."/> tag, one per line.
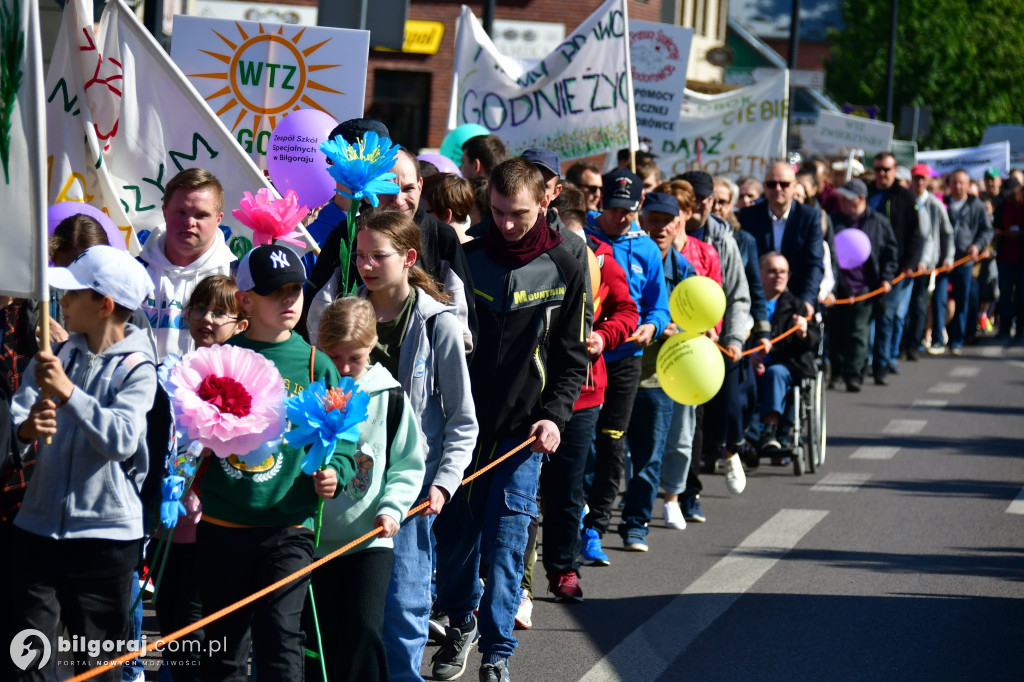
<point x="231" y="608"/>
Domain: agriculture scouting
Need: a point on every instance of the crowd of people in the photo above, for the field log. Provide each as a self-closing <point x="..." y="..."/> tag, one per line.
<point x="512" y="304"/>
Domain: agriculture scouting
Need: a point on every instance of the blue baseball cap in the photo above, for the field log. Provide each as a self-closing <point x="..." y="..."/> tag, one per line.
<point x="661" y="202"/>
<point x="544" y="159"/>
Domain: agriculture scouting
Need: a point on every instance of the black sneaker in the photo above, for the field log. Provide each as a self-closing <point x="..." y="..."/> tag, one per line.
<point x="495" y="672"/>
<point x="436" y="629"/>
<point x="450" y="660"/>
<point x="769" y="438"/>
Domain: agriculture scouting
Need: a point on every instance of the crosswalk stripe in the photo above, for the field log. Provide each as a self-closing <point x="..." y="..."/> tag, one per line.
<point x="949" y="387"/>
<point x="904" y="427"/>
<point x="925" y="403"/>
<point x="1017" y="506"/>
<point x="840" y="482"/>
<point x="964" y="372"/>
<point x="649" y="650"/>
<point x="874" y="452"/>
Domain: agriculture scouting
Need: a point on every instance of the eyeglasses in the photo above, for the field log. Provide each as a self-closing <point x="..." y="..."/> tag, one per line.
<point x="777" y="184"/>
<point x="218" y="317"/>
<point x="884" y="169"/>
<point x="590" y="189"/>
<point x="777" y="272"/>
<point x="721" y="202"/>
<point x="374" y="259"/>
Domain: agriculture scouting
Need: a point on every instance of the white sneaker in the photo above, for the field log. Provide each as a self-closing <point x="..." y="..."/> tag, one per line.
<point x="673" y="516"/>
<point x="524" y="616"/>
<point x="720" y="467"/>
<point x="735" y="479"/>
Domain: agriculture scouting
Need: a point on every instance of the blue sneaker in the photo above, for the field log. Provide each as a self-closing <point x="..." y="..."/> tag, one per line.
<point x="635" y="541"/>
<point x="692" y="511"/>
<point x="592" y="553"/>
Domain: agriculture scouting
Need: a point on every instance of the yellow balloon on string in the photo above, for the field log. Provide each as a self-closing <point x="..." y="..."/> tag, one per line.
<point x="690" y="371"/>
<point x="697" y="304"/>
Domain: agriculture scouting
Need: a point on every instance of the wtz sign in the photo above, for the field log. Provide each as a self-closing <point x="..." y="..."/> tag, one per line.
<point x="254" y="73"/>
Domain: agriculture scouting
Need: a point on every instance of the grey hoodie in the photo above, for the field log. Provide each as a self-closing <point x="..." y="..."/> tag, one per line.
<point x="738" y="321"/>
<point x="435" y="377"/>
<point x="172" y="286"/>
<point x="79" y="488"/>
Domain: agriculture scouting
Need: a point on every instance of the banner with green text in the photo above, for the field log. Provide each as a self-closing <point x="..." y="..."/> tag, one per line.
<point x="122" y="120"/>
<point x="575" y="101"/>
<point x="737" y="133"/>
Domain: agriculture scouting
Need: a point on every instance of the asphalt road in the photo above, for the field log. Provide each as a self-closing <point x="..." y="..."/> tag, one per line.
<point x="901" y="559"/>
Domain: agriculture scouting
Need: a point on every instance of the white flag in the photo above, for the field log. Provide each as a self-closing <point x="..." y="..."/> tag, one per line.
<point x="575" y="102"/>
<point x="22" y="176"/>
<point x="142" y="122"/>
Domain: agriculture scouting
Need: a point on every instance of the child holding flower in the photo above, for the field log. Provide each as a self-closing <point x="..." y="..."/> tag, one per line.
<point x="258" y="515"/>
<point x="350" y="591"/>
<point x="420" y="342"/>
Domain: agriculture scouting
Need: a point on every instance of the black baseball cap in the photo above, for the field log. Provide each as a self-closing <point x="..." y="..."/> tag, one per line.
<point x="661" y="202"/>
<point x="702" y="183"/>
<point x="544" y="159"/>
<point x="354" y="129"/>
<point x="269" y="267"/>
<point x="622" y="189"/>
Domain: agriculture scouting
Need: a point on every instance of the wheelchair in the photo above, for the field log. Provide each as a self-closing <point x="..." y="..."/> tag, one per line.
<point x="804" y="421"/>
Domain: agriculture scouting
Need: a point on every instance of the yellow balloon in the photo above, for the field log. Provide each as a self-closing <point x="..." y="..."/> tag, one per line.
<point x="697" y="304"/>
<point x="690" y="370"/>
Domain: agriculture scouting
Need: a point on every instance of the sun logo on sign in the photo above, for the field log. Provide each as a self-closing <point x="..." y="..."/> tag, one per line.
<point x="267" y="76"/>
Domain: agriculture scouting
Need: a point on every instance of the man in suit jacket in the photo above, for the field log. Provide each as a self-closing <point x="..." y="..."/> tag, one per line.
<point x="793" y="229"/>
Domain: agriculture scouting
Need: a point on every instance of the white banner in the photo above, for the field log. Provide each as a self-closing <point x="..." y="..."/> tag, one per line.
<point x="253" y="74"/>
<point x="659" y="55"/>
<point x="121" y="92"/>
<point x="837" y="133"/>
<point x="975" y="160"/>
<point x="575" y="102"/>
<point x="737" y="133"/>
<point x="22" y="150"/>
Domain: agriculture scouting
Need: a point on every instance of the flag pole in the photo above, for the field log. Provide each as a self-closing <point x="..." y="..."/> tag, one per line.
<point x="634" y="142"/>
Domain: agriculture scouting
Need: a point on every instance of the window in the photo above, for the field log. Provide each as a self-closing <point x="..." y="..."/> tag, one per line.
<point x="401" y="100"/>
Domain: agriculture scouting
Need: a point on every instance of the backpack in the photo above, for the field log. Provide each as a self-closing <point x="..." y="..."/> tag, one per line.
<point x="160" y="438"/>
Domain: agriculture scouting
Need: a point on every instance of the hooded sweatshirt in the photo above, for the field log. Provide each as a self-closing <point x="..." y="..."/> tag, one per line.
<point x="347" y="517"/>
<point x="172" y="287"/>
<point x="79" y="488"/>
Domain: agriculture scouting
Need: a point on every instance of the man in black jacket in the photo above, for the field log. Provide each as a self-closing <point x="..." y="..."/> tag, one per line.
<point x="899" y="206"/>
<point x="530" y="364"/>
<point x="851" y="323"/>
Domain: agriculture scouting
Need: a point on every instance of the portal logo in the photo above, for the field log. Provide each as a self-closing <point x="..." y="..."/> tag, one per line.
<point x="26" y="654"/>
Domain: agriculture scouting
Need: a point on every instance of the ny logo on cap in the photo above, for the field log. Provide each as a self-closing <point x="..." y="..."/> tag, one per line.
<point x="279" y="259"/>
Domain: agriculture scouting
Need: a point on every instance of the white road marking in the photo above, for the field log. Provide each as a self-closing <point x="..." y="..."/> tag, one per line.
<point x="950" y="388"/>
<point x="929" y="404"/>
<point x="904" y="427"/>
<point x="991" y="352"/>
<point x="650" y="649"/>
<point x="1018" y="363"/>
<point x="874" y="452"/>
<point x="839" y="482"/>
<point x="964" y="372"/>
<point x="1017" y="506"/>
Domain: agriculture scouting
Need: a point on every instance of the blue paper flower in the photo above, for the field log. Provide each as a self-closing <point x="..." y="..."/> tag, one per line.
<point x="364" y="168"/>
<point x="324" y="416"/>
<point x="171" y="508"/>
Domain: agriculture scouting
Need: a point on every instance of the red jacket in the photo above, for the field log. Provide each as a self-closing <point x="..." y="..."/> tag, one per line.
<point x="615" y="318"/>
<point x="705" y="261"/>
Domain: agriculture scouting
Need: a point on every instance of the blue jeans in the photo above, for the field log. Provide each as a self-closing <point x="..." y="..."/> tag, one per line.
<point x="678" y="449"/>
<point x="131" y="668"/>
<point x="961" y="280"/>
<point x="899" y="303"/>
<point x="883" y="316"/>
<point x="407" y="610"/>
<point x="774" y="385"/>
<point x="488" y="520"/>
<point x="648" y="431"/>
<point x="561" y="484"/>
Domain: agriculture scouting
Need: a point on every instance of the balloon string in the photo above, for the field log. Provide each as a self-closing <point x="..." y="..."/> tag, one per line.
<point x="862" y="297"/>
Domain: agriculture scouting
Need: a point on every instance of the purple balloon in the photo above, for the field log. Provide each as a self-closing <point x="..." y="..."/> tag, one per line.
<point x="852" y="248"/>
<point x="65" y="209"/>
<point x="443" y="163"/>
<point x="295" y="160"/>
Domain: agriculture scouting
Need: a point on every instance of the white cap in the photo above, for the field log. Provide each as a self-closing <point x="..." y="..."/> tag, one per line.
<point x="107" y="271"/>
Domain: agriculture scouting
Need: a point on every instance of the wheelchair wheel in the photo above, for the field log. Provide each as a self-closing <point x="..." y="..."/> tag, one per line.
<point x="813" y="425"/>
<point x="799" y="431"/>
<point x="819" y="419"/>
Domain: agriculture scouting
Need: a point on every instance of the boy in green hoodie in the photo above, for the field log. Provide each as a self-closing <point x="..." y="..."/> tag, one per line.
<point x="258" y="519"/>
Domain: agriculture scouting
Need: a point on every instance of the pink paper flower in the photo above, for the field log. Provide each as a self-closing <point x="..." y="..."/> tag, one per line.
<point x="228" y="398"/>
<point x="270" y="218"/>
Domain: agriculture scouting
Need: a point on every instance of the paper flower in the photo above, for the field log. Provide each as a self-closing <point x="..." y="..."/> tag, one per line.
<point x="228" y="399"/>
<point x="271" y="218"/>
<point x="363" y="168"/>
<point x="324" y="416"/>
<point x="171" y="508"/>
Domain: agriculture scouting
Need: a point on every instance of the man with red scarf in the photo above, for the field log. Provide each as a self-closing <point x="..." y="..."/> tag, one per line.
<point x="530" y="363"/>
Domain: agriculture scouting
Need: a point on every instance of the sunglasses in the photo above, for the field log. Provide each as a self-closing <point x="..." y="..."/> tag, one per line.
<point x="590" y="189"/>
<point x="777" y="184"/>
<point x="884" y="169"/>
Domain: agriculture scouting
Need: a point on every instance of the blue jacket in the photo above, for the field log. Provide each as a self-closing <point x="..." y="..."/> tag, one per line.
<point x="640" y="257"/>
